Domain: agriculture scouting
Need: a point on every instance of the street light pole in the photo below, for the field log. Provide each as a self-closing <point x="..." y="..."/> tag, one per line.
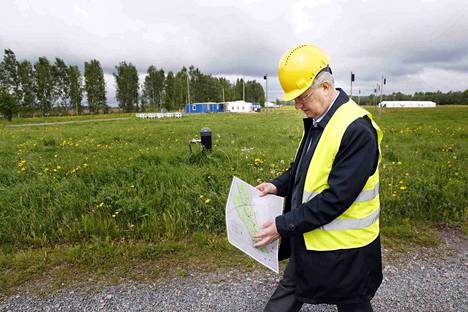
<point x="381" y="87"/>
<point x="243" y="90"/>
<point x="188" y="90"/>
<point x="266" y="87"/>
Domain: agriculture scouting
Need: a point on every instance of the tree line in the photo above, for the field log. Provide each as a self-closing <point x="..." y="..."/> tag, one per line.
<point x="451" y="97"/>
<point x="47" y="88"/>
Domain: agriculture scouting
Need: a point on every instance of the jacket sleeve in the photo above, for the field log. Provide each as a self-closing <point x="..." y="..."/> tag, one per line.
<point x="355" y="161"/>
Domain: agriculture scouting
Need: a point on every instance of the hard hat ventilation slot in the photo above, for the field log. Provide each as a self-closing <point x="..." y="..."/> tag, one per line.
<point x="294" y="50"/>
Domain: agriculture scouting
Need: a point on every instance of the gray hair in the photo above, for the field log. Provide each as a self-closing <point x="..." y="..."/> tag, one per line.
<point x="323" y="77"/>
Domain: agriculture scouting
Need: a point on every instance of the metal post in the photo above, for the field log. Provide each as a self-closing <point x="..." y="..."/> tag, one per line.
<point x="243" y="90"/>
<point x="381" y="89"/>
<point x="351" y="91"/>
<point x="359" y="97"/>
<point x="266" y="88"/>
<point x="223" y="95"/>
<point x="188" y="90"/>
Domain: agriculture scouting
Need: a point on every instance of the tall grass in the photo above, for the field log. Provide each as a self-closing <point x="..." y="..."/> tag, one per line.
<point x="137" y="179"/>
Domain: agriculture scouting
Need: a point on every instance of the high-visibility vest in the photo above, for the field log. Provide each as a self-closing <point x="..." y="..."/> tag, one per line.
<point x="359" y="224"/>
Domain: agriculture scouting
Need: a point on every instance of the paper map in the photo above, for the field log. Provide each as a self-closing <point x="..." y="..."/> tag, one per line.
<point x="245" y="213"/>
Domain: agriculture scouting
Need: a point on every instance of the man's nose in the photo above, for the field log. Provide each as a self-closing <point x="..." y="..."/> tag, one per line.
<point x="298" y="105"/>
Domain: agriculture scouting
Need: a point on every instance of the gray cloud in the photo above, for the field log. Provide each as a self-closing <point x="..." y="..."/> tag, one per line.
<point x="413" y="43"/>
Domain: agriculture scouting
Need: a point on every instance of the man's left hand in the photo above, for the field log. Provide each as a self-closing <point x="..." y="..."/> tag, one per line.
<point x="267" y="235"/>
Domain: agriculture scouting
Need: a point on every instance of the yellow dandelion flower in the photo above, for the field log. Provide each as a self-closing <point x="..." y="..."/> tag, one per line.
<point x="202" y="196"/>
<point x="402" y="187"/>
<point x="207" y="201"/>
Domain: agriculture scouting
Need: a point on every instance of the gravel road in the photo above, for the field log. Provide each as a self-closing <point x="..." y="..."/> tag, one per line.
<point x="429" y="279"/>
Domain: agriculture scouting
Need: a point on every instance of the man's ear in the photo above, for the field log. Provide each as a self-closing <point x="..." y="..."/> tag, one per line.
<point x="326" y="88"/>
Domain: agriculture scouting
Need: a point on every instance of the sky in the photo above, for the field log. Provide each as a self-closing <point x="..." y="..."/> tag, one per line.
<point x="417" y="45"/>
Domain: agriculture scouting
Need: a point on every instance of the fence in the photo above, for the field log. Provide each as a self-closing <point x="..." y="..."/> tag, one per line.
<point x="158" y="115"/>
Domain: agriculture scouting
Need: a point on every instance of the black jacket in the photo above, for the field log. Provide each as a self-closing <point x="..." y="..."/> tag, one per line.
<point x="341" y="276"/>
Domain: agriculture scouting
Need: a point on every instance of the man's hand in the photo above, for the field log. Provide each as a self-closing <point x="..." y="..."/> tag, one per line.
<point x="267" y="235"/>
<point x="266" y="188"/>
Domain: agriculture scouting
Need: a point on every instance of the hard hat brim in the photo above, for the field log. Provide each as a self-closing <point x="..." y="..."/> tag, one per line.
<point x="293" y="94"/>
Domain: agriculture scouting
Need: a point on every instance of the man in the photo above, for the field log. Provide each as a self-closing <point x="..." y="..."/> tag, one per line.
<point x="330" y="225"/>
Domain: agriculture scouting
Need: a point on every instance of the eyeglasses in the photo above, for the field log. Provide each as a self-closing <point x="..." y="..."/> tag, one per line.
<point x="301" y="99"/>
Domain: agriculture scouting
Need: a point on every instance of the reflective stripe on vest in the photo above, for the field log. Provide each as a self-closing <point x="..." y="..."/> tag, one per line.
<point x="363" y="196"/>
<point x="349" y="224"/>
<point x="358" y="225"/>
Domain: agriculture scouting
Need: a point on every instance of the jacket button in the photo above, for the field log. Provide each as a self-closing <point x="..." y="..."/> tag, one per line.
<point x="291" y="227"/>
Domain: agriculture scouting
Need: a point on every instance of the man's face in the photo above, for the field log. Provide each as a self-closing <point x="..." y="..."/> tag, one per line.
<point x="312" y="102"/>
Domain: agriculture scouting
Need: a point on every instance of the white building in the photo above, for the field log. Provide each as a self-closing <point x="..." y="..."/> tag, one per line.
<point x="239" y="107"/>
<point x="406" y="104"/>
<point x="271" y="105"/>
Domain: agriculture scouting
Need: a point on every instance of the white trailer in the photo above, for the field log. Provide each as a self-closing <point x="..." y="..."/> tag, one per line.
<point x="407" y="104"/>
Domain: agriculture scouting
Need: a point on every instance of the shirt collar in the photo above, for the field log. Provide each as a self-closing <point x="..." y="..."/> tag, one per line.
<point x="340" y="100"/>
<point x="315" y="121"/>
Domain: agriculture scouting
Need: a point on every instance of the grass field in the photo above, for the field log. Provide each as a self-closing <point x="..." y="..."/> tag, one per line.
<point x="98" y="194"/>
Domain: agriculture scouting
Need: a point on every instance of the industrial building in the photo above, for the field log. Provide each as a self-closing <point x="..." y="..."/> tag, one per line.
<point x="239" y="107"/>
<point x="207" y="107"/>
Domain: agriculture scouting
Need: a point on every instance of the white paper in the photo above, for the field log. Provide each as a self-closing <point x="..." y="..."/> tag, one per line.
<point x="246" y="211"/>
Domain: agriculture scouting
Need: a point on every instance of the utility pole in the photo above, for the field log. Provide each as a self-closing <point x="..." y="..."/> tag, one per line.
<point x="359" y="97"/>
<point x="352" y="79"/>
<point x="188" y="90"/>
<point x="266" y="88"/>
<point x="223" y="95"/>
<point x="383" y="82"/>
<point x="375" y="94"/>
<point x="243" y="90"/>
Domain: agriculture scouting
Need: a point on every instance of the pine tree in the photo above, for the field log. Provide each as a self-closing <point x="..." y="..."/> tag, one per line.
<point x="169" y="91"/>
<point x="254" y="92"/>
<point x="180" y="88"/>
<point x="228" y="89"/>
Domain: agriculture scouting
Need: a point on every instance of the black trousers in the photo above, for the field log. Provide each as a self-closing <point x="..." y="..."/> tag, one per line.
<point x="284" y="297"/>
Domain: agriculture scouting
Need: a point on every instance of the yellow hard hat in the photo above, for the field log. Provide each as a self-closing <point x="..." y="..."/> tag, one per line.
<point x="298" y="67"/>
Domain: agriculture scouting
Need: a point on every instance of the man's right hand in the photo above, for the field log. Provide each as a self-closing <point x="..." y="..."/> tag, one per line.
<point x="266" y="188"/>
